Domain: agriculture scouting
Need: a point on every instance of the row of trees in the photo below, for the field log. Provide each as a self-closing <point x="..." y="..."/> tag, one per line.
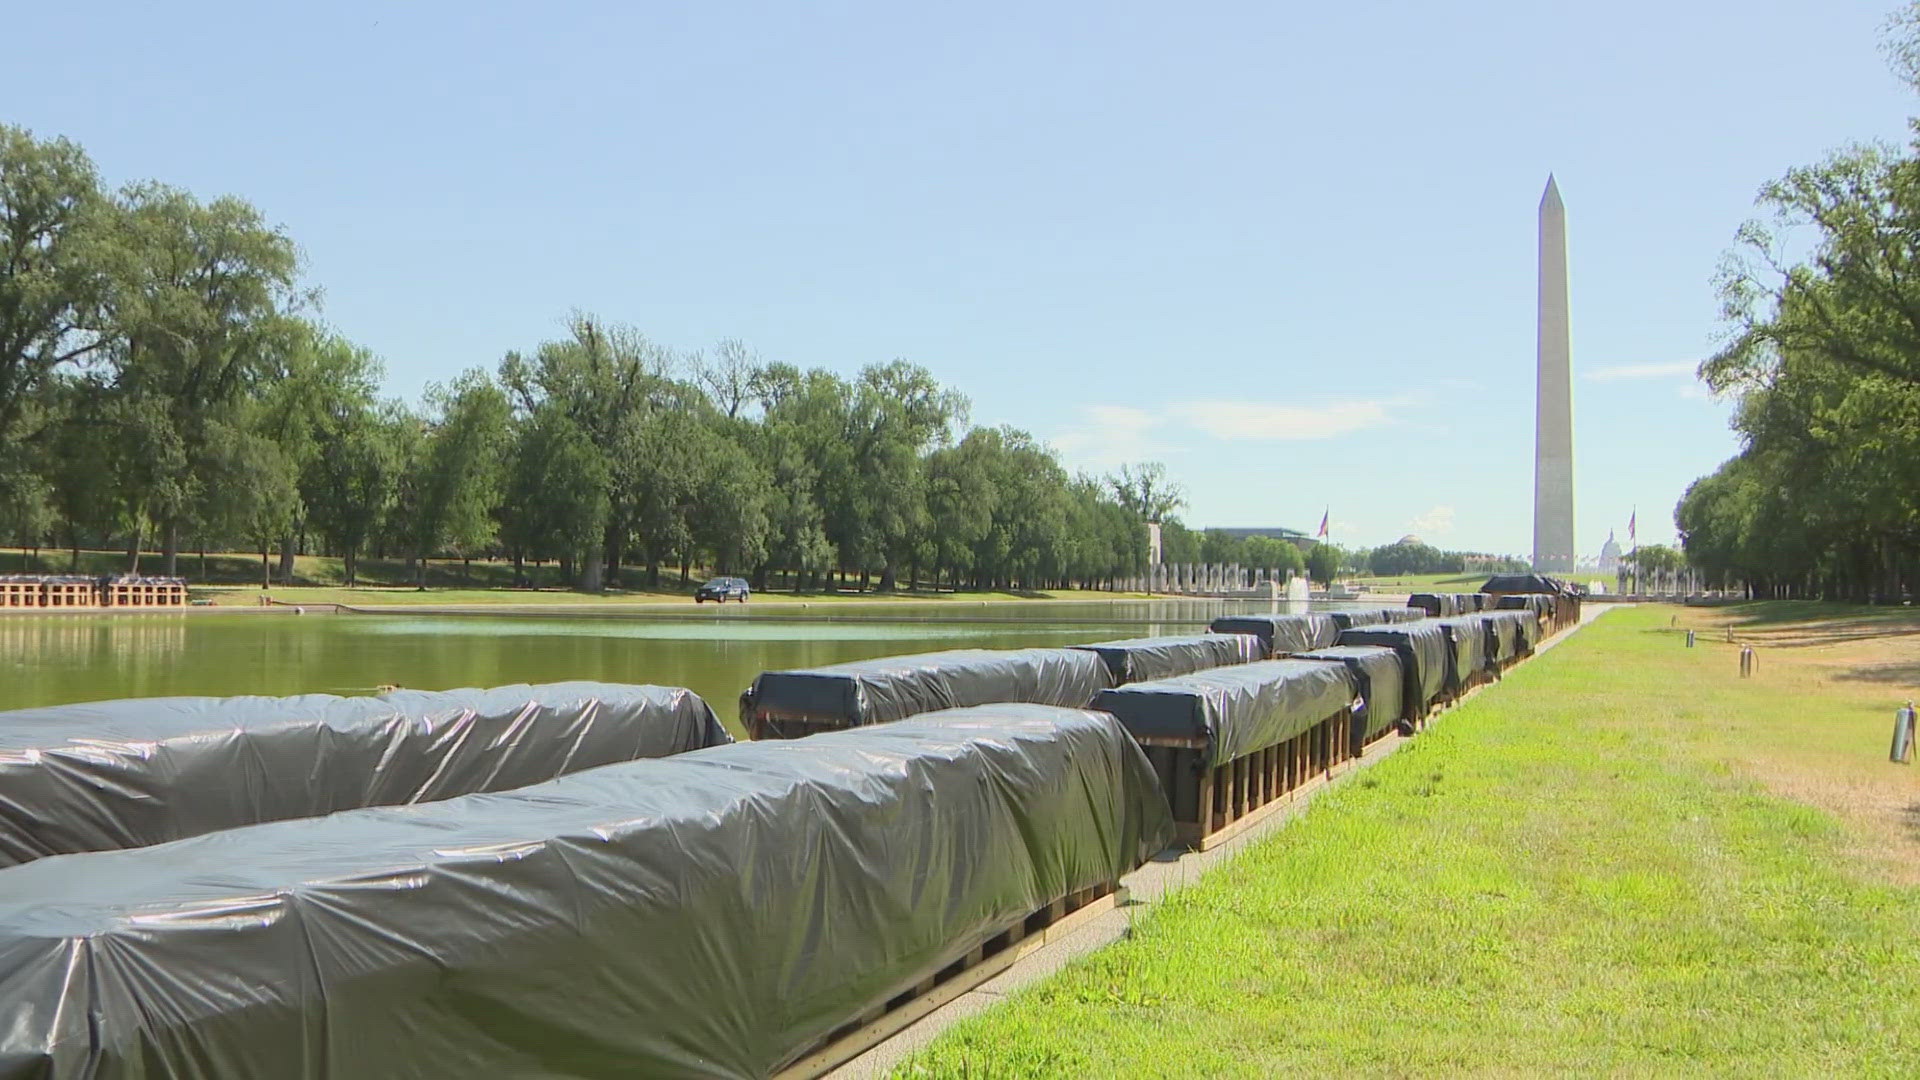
<point x="1824" y="358"/>
<point x="162" y="376"/>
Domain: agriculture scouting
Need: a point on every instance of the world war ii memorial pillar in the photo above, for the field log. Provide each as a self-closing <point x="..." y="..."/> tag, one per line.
<point x="1553" y="404"/>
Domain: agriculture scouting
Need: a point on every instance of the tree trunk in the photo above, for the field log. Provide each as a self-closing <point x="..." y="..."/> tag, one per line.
<point x="203" y="565"/>
<point x="610" y="548"/>
<point x="266" y="568"/>
<point x="286" y="559"/>
<point x="350" y="561"/>
<point x="170" y="548"/>
<point x="133" y="552"/>
<point x="683" y="571"/>
<point x="519" y="568"/>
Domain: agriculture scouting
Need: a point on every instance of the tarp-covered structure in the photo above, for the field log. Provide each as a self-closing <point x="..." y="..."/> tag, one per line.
<point x="1503" y="635"/>
<point x="1379" y="682"/>
<point x="1527" y="629"/>
<point x="1466" y="649"/>
<point x="121" y="774"/>
<point x="895" y="687"/>
<point x="1526" y="583"/>
<point x="1442" y="605"/>
<point x="715" y="914"/>
<point x="1142" y="659"/>
<point x="1282" y="635"/>
<point x="1343" y="620"/>
<point x="1422" y="648"/>
<point x="1234" y="710"/>
<point x="1541" y="605"/>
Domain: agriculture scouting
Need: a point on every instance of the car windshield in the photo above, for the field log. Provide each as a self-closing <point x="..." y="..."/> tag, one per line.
<point x="720" y="582"/>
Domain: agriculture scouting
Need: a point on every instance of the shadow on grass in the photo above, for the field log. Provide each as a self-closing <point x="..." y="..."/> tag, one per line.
<point x="1883" y="674"/>
<point x="1800" y="623"/>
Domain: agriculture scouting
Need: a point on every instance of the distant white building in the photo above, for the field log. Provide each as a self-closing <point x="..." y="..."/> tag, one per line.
<point x="1610" y="555"/>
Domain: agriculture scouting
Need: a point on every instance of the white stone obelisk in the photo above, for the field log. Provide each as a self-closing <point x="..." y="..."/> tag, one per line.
<point x="1553" y="548"/>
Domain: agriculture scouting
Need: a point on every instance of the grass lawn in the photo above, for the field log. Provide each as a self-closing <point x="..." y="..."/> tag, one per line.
<point x="1425" y="582"/>
<point x="1624" y="859"/>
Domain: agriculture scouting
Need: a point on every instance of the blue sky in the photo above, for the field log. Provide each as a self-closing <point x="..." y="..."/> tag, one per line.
<point x="1286" y="249"/>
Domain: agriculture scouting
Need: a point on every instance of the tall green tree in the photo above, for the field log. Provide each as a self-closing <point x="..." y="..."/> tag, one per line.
<point x="52" y="217"/>
<point x="458" y="471"/>
<point x="201" y="298"/>
<point x="349" y="490"/>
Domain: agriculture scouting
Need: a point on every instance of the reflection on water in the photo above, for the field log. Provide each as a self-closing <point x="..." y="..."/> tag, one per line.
<point x="53" y="659"/>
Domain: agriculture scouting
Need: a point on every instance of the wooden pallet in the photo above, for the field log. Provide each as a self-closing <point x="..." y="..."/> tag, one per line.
<point x="146" y="594"/>
<point x="1211" y="805"/>
<point x="999" y="952"/>
<point x="768" y="724"/>
<point x="70" y="594"/>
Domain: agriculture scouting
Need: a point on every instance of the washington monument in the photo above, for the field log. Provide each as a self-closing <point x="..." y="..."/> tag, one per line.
<point x="1553" y="403"/>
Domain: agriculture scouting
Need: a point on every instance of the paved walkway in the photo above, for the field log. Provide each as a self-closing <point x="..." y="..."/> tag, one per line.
<point x="1170" y="871"/>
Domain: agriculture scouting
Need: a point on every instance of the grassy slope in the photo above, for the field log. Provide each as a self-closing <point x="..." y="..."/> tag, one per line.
<point x="1572" y="872"/>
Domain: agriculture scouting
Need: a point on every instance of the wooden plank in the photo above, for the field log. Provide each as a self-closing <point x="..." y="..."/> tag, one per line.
<point x="1180" y="742"/>
<point x="1203" y="801"/>
<point x="873" y="1033"/>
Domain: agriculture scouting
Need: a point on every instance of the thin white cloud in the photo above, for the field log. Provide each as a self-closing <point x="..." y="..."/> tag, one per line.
<point x="1641" y="371"/>
<point x="1109" y="435"/>
<point x="1435" y="522"/>
<point x="1273" y="421"/>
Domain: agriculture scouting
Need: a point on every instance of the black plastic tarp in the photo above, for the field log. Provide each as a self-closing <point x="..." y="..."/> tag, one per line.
<point x="1528" y="629"/>
<point x="1538" y="603"/>
<point x="713" y="914"/>
<point x="121" y="774"/>
<point x="1436" y="605"/>
<point x="1344" y="620"/>
<point x="1524" y="583"/>
<point x="1466" y="648"/>
<point x="895" y="687"/>
<point x="1503" y="634"/>
<point x="1378" y="681"/>
<point x="1141" y="659"/>
<point x="1282" y="634"/>
<point x="1238" y="709"/>
<point x="1422" y="647"/>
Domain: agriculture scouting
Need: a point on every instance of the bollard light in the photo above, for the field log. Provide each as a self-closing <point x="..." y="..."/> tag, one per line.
<point x="1902" y="752"/>
<point x="1689" y="639"/>
<point x="1748" y="661"/>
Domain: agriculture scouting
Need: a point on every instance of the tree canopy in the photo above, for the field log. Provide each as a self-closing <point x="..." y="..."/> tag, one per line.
<point x="1823" y="358"/>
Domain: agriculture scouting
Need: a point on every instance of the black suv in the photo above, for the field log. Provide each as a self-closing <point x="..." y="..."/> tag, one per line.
<point x="722" y="589"/>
